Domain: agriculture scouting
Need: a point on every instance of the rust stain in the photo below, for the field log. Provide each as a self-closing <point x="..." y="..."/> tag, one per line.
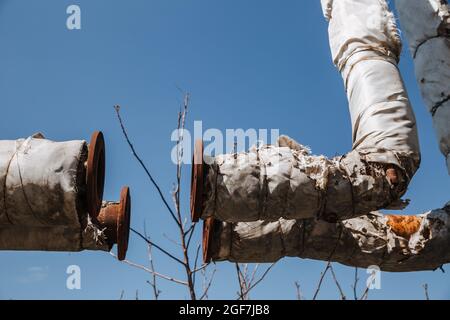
<point x="404" y="226"/>
<point x="114" y="218"/>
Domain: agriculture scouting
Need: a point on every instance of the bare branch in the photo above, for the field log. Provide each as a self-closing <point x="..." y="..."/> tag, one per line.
<point x="297" y="289"/>
<point x="241" y="280"/>
<point x="152" y="283"/>
<point x="341" y="292"/>
<point x="322" y="276"/>
<point x="355" y="285"/>
<point x="251" y="287"/>
<point x="168" y="278"/>
<point x="195" y="263"/>
<point x="157" y="246"/>
<point x="138" y="158"/>
<point x="208" y="285"/>
<point x="425" y="287"/>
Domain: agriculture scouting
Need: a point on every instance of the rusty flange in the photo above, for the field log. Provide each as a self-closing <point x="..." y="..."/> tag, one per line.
<point x="197" y="180"/>
<point x="95" y="174"/>
<point x="208" y="232"/>
<point x="123" y="224"/>
<point x="115" y="219"/>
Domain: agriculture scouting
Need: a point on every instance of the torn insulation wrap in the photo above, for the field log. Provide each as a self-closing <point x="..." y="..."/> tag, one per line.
<point x="270" y="182"/>
<point x="393" y="243"/>
<point x="426" y="25"/>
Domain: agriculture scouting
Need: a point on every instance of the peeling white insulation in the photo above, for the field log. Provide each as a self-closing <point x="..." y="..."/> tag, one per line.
<point x="416" y="243"/>
<point x="270" y="182"/>
<point x="426" y="25"/>
<point x="42" y="187"/>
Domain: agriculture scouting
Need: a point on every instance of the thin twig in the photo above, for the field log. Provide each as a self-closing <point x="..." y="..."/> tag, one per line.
<point x="157" y="246"/>
<point x="241" y="281"/>
<point x="341" y="292"/>
<point x="322" y="275"/>
<point x="425" y="287"/>
<point x="176" y="198"/>
<point x="191" y="233"/>
<point x="163" y="276"/>
<point x="141" y="162"/>
<point x="197" y="254"/>
<point x="208" y="285"/>
<point x="298" y="291"/>
<point x="355" y="284"/>
<point x="252" y="277"/>
<point x="251" y="287"/>
<point x="153" y="284"/>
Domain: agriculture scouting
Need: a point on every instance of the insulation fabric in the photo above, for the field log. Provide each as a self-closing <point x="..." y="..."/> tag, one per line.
<point x="40" y="182"/>
<point x="42" y="195"/>
<point x="417" y="243"/>
<point x="270" y="182"/>
<point x="426" y="25"/>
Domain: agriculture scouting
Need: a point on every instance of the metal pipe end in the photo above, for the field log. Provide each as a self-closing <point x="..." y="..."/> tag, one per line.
<point x="95" y="174"/>
<point x="197" y="180"/>
<point x="123" y="224"/>
<point x="208" y="232"/>
<point x="115" y="219"/>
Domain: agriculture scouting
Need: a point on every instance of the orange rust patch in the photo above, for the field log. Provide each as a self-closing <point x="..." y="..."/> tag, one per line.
<point x="404" y="226"/>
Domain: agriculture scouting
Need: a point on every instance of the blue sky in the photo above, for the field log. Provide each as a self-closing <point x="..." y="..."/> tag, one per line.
<point x="247" y="64"/>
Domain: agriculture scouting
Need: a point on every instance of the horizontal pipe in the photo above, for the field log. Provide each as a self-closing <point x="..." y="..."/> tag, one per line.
<point x="393" y="243"/>
<point x="51" y="197"/>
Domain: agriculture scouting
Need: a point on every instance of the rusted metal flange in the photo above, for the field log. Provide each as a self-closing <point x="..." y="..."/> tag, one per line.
<point x="115" y="219"/>
<point x="197" y="180"/>
<point x="208" y="232"/>
<point x="95" y="174"/>
<point x="123" y="224"/>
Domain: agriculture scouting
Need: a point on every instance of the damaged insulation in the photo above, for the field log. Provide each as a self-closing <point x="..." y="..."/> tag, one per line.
<point x="286" y="181"/>
<point x="394" y="243"/>
<point x="43" y="196"/>
<point x="426" y="25"/>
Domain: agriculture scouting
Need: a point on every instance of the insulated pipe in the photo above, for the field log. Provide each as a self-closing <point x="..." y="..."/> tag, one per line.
<point x="112" y="228"/>
<point x="51" y="197"/>
<point x="393" y="243"/>
<point x="426" y="25"/>
<point x="47" y="183"/>
<point x="286" y="181"/>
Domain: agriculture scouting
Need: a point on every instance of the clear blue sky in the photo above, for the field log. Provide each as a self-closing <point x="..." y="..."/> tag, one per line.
<point x="247" y="64"/>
